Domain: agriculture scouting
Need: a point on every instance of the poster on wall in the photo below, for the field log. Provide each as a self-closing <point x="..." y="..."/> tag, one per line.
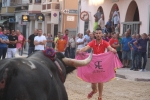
<point x="70" y="18"/>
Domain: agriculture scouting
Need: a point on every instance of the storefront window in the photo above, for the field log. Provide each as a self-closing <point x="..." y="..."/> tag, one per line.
<point x="37" y="1"/>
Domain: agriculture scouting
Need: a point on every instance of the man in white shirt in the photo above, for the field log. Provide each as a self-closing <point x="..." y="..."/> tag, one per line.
<point x="101" y="23"/>
<point x="116" y="17"/>
<point x="80" y="42"/>
<point x="39" y="41"/>
<point x="72" y="43"/>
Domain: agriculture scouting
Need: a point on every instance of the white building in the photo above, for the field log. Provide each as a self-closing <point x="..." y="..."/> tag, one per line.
<point x="134" y="14"/>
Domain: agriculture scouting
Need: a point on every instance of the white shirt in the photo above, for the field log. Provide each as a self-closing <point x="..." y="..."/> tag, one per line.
<point x="72" y="43"/>
<point x="81" y="45"/>
<point x="116" y="18"/>
<point x="39" y="39"/>
<point x="101" y="23"/>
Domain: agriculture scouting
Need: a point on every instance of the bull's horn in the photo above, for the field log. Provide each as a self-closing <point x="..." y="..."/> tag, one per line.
<point x="78" y="63"/>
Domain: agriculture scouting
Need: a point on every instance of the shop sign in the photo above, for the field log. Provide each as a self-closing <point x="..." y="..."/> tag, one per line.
<point x="70" y="18"/>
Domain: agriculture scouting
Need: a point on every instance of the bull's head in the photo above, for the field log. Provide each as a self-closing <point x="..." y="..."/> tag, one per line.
<point x="73" y="63"/>
<point x="77" y="63"/>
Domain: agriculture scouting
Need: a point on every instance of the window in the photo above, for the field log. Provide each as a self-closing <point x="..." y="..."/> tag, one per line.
<point x="86" y="26"/>
<point x="37" y="1"/>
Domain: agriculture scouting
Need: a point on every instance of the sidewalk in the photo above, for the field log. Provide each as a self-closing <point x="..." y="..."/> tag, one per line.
<point x="126" y="73"/>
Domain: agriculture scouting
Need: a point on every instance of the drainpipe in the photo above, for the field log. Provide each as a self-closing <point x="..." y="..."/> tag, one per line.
<point x="62" y="14"/>
<point x="7" y="5"/>
<point x="79" y="5"/>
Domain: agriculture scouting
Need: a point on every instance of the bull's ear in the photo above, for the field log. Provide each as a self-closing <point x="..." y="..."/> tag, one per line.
<point x="59" y="55"/>
<point x="69" y="69"/>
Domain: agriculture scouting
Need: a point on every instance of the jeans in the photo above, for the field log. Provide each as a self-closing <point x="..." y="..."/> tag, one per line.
<point x="103" y="31"/>
<point x="30" y="50"/>
<point x="135" y="59"/>
<point x="67" y="52"/>
<point x="72" y="52"/>
<point x="119" y="55"/>
<point x="11" y="52"/>
<point x="20" y="51"/>
<point x="3" y="51"/>
<point x="144" y="56"/>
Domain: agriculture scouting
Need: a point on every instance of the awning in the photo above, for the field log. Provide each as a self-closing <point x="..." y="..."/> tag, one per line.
<point x="2" y="21"/>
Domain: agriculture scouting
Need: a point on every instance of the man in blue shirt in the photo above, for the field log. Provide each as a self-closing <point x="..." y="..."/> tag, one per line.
<point x="3" y="44"/>
<point x="135" y="53"/>
<point x="109" y="25"/>
<point x="142" y="47"/>
<point x="126" y="52"/>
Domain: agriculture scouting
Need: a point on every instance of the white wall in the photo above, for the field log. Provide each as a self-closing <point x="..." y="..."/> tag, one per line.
<point x="123" y="7"/>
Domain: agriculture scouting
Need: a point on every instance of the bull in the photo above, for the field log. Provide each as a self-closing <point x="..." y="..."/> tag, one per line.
<point x="36" y="77"/>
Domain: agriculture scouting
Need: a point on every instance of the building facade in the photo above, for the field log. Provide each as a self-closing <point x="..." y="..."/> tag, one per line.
<point x="134" y="14"/>
<point x="60" y="15"/>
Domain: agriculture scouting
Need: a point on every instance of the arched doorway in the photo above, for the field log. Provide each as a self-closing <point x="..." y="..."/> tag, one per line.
<point x="114" y="17"/>
<point x="115" y="6"/>
<point x="132" y="19"/>
<point x="98" y="13"/>
<point x="132" y="12"/>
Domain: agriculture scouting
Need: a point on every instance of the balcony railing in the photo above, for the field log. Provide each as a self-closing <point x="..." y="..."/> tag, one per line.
<point x="35" y="1"/>
<point x="134" y="26"/>
<point x="18" y="2"/>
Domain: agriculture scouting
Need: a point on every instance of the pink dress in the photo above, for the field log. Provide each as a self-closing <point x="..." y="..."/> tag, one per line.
<point x="19" y="45"/>
<point x="101" y="68"/>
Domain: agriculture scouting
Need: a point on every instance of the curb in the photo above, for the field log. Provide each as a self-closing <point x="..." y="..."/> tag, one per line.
<point x="134" y="79"/>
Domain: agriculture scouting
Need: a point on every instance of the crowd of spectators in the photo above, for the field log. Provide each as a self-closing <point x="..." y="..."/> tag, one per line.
<point x="10" y="43"/>
<point x="129" y="48"/>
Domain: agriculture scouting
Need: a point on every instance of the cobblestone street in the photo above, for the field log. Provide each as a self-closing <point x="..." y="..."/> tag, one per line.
<point x="117" y="89"/>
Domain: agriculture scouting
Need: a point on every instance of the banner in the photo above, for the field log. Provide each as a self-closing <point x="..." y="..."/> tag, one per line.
<point x="100" y="69"/>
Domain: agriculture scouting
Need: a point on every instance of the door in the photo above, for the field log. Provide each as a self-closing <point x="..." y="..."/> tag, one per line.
<point x="55" y="29"/>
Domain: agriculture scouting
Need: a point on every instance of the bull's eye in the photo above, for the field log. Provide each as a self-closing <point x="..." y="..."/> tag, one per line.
<point x="2" y="81"/>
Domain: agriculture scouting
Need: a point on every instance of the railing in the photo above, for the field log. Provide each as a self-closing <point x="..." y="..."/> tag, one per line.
<point x="18" y="2"/>
<point x="134" y="26"/>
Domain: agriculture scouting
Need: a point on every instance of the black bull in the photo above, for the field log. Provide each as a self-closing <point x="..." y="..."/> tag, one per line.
<point x="36" y="77"/>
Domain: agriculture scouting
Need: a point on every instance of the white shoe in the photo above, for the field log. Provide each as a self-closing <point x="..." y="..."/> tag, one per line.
<point x="144" y="70"/>
<point x="141" y="70"/>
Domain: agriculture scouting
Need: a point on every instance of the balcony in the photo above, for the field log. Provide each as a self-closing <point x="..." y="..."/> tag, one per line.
<point x="18" y="2"/>
<point x="5" y="10"/>
<point x="35" y="8"/>
<point x="49" y="6"/>
<point x="134" y="26"/>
